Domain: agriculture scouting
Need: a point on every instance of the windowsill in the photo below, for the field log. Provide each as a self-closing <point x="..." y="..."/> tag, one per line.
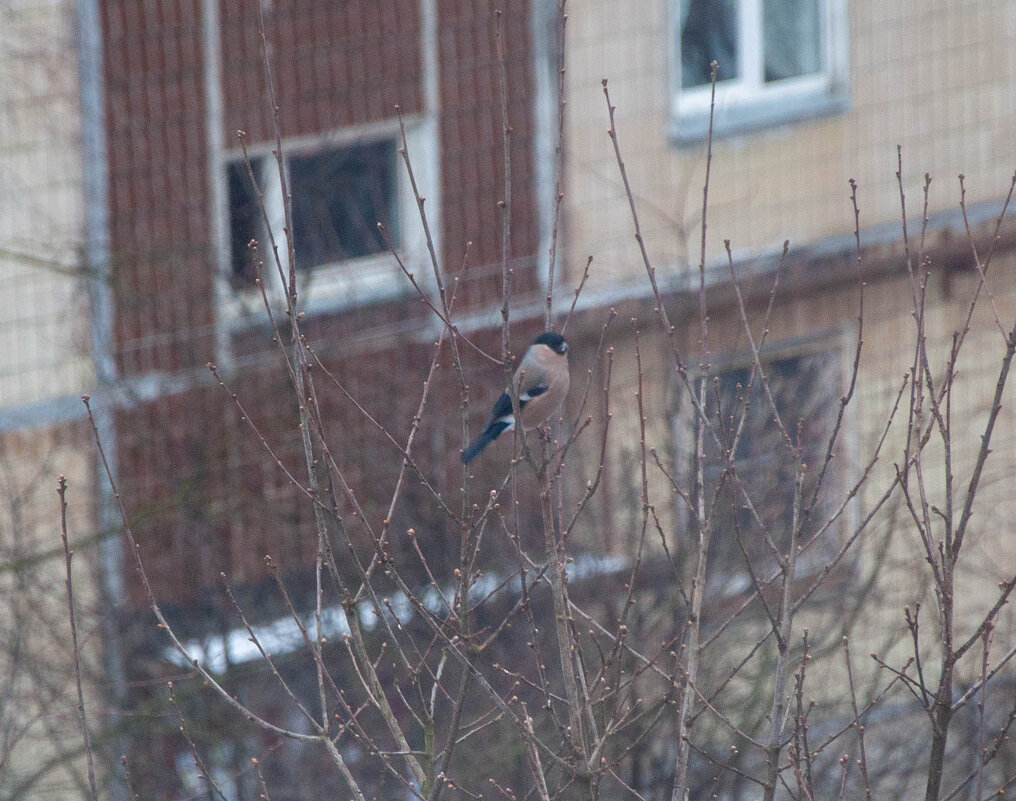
<point x="324" y="290"/>
<point x="692" y="126"/>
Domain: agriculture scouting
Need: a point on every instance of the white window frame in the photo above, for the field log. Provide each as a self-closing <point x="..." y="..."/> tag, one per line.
<point x="353" y="282"/>
<point x="746" y="102"/>
<point x="330" y="289"/>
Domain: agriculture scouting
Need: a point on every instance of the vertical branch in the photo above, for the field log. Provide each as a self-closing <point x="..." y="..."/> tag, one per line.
<point x="533" y="757"/>
<point x="301" y="367"/>
<point x="287" y="206"/>
<point x="918" y="504"/>
<point x="703" y="312"/>
<point x="310" y="424"/>
<point x="420" y="202"/>
<point x="76" y="653"/>
<point x="562" y="18"/>
<point x="801" y="750"/>
<point x="783" y="632"/>
<point x="687" y="708"/>
<point x="505" y="204"/>
<point x="856" y="364"/>
<point x="863" y="761"/>
<point x="559" y="589"/>
<point x="988" y="630"/>
<point x="453" y="730"/>
<point x="917" y="300"/>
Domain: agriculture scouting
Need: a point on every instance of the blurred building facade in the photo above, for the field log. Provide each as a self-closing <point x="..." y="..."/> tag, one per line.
<point x="809" y="97"/>
<point x="128" y="221"/>
<point x="182" y="82"/>
<point x="127" y="211"/>
<point x="45" y="367"/>
<point x="789" y="136"/>
<point x="190" y="131"/>
<point x="822" y="100"/>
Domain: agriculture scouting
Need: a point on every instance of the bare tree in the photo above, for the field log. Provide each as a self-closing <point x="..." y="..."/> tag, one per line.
<point x="685" y="665"/>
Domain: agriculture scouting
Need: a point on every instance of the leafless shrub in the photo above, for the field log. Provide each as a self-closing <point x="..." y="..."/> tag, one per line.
<point x="710" y="654"/>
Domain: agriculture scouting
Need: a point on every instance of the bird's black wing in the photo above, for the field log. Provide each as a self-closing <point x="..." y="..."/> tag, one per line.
<point x="531" y="393"/>
<point x="502" y="407"/>
<point x="501" y="418"/>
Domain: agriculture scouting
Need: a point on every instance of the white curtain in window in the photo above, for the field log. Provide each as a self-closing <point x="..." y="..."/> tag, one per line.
<point x="792" y="38"/>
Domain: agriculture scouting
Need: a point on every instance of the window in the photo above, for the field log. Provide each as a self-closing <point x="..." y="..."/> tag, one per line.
<point x="778" y="60"/>
<point x="805" y="388"/>
<point x="339" y="197"/>
<point x="341" y="187"/>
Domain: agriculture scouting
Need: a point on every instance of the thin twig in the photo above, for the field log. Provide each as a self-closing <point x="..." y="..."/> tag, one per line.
<point x="858" y="722"/>
<point x="560" y="21"/>
<point x="76" y="652"/>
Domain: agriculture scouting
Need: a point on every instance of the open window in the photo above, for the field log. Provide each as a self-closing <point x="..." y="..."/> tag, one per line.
<point x="341" y="189"/>
<point x="778" y="60"/>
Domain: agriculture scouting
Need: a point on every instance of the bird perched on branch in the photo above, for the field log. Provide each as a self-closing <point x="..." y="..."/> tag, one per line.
<point x="541" y="381"/>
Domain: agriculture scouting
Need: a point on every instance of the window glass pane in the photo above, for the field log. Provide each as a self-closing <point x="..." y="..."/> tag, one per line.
<point x="245" y="217"/>
<point x="708" y="33"/>
<point x="792" y="38"/>
<point x="339" y="197"/>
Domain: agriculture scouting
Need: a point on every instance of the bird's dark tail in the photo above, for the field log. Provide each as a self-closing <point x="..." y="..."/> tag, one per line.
<point x="490" y="433"/>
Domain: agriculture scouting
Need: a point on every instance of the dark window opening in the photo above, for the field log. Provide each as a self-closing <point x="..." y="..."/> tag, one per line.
<point x="339" y="197"/>
<point x="805" y="391"/>
<point x="708" y="33"/>
<point x="246" y="219"/>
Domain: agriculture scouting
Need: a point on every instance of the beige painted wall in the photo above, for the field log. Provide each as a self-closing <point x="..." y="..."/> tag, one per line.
<point x="43" y="306"/>
<point x="889" y="548"/>
<point x="43" y="322"/>
<point x="41" y="751"/>
<point x="938" y="78"/>
<point x="935" y="76"/>
<point x="886" y="569"/>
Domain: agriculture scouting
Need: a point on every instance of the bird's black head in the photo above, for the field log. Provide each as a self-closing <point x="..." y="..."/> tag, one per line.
<point x="552" y="340"/>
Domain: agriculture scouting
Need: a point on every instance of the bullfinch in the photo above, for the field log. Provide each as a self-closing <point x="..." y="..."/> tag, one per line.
<point x="541" y="380"/>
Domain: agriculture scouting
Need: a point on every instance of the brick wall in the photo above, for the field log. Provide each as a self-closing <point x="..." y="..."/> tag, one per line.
<point x="204" y="494"/>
